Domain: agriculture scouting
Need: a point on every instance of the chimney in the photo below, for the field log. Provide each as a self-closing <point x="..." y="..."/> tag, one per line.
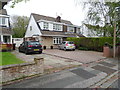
<point x="58" y="19"/>
<point x="3" y="3"/>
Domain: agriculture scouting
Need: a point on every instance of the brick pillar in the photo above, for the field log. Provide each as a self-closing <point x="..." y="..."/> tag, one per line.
<point x="107" y="52"/>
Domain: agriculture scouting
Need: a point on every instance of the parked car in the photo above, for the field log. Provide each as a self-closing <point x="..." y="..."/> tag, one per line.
<point x="30" y="46"/>
<point x="67" y="45"/>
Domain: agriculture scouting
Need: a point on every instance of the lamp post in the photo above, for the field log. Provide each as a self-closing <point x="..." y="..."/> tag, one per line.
<point x="114" y="38"/>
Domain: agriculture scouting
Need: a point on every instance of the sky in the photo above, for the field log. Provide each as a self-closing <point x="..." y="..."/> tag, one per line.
<point x="67" y="9"/>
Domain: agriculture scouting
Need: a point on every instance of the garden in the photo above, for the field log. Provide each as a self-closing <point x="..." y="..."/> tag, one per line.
<point x="7" y="58"/>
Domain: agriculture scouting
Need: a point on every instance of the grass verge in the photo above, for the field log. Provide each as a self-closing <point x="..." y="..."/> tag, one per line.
<point x="7" y="58"/>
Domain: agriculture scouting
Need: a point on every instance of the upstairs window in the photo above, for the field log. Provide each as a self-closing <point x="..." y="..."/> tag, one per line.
<point x="30" y="28"/>
<point x="46" y="25"/>
<point x="57" y="27"/>
<point x="78" y="31"/>
<point x="3" y="22"/>
<point x="70" y="29"/>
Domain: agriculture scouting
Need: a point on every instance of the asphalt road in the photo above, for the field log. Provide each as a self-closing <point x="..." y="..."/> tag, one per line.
<point x="81" y="77"/>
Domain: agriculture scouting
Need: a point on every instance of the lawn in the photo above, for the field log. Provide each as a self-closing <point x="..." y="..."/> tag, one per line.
<point x="7" y="58"/>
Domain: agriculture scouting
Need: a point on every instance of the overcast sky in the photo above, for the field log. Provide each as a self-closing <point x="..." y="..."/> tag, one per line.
<point x="67" y="9"/>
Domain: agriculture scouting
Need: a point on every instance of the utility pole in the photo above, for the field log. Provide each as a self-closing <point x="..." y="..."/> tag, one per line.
<point x="114" y="39"/>
<point x="117" y="9"/>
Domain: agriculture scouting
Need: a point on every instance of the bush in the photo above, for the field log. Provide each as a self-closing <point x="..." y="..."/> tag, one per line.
<point x="92" y="43"/>
<point x="83" y="48"/>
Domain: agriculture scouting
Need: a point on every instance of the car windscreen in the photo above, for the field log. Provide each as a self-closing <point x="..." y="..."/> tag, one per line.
<point x="34" y="43"/>
<point x="70" y="42"/>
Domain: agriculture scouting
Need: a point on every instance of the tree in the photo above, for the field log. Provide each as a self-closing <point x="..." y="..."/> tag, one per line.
<point x="19" y="24"/>
<point x="101" y="18"/>
<point x="17" y="1"/>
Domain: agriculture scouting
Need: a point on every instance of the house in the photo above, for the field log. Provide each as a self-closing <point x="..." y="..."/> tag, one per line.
<point x="51" y="31"/>
<point x="5" y="30"/>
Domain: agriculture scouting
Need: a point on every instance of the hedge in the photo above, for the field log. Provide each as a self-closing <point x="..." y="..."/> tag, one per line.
<point x="92" y="43"/>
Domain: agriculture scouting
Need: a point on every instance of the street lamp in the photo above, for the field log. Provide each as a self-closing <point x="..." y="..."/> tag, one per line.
<point x="114" y="38"/>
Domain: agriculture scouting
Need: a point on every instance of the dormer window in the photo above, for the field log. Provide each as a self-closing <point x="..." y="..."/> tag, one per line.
<point x="57" y="27"/>
<point x="3" y="22"/>
<point x="46" y="25"/>
<point x="70" y="29"/>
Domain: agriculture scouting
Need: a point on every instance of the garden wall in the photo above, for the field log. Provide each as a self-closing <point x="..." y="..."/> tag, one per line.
<point x="17" y="71"/>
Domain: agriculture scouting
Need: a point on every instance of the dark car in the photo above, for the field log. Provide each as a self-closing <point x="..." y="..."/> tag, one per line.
<point x="30" y="46"/>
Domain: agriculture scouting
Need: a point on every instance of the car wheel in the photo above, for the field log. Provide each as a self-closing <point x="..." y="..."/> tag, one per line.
<point x="73" y="49"/>
<point x="19" y="50"/>
<point x="40" y="52"/>
<point x="65" y="49"/>
<point x="26" y="52"/>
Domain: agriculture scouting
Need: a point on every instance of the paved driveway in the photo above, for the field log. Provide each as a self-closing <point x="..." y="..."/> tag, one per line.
<point x="77" y="55"/>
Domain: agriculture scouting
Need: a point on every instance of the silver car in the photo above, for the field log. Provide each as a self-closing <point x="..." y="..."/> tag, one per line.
<point x="67" y="45"/>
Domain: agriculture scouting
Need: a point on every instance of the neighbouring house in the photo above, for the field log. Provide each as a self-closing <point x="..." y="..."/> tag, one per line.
<point x="5" y="29"/>
<point x="50" y="31"/>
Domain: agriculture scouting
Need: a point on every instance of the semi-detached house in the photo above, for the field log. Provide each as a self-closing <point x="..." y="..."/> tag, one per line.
<point x="51" y="31"/>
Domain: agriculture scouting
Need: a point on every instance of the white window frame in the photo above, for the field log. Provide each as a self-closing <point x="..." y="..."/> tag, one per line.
<point x="4" y="21"/>
<point x="57" y="27"/>
<point x="70" y="29"/>
<point x="78" y="31"/>
<point x="46" y="25"/>
<point x="57" y="40"/>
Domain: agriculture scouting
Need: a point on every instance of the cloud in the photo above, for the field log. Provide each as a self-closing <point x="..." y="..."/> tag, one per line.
<point x="67" y="9"/>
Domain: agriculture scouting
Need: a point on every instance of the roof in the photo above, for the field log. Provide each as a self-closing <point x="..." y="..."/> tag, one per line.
<point x="61" y="34"/>
<point x="5" y="0"/>
<point x="39" y="17"/>
<point x="3" y="12"/>
<point x="5" y="31"/>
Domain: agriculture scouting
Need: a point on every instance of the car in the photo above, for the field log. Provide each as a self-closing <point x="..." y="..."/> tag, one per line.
<point x="67" y="45"/>
<point x="30" y="47"/>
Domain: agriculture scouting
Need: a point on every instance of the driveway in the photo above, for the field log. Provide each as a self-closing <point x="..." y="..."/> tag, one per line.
<point x="77" y="55"/>
<point x="51" y="63"/>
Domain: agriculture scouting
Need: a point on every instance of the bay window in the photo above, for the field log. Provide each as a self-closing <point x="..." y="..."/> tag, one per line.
<point x="57" y="40"/>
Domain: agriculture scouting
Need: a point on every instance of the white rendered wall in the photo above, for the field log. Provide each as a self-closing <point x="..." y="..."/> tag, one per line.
<point x="35" y="30"/>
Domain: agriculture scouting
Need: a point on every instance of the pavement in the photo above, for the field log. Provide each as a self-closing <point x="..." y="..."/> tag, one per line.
<point x="99" y="74"/>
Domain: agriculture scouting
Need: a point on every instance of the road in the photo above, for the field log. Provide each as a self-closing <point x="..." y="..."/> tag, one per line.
<point x="92" y="75"/>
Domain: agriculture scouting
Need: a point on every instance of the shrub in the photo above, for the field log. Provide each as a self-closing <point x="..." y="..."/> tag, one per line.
<point x="92" y="43"/>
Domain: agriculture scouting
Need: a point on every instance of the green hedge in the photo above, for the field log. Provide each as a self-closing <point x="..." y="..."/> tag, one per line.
<point x="91" y="43"/>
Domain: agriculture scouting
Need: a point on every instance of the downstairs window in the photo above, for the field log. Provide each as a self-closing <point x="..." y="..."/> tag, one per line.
<point x="57" y="40"/>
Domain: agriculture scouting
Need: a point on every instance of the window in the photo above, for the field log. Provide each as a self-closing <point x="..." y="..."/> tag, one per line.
<point x="78" y="30"/>
<point x="46" y="25"/>
<point x="3" y="21"/>
<point x="30" y="28"/>
<point x="6" y="39"/>
<point x="70" y="29"/>
<point x="57" y="40"/>
<point x="56" y="27"/>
